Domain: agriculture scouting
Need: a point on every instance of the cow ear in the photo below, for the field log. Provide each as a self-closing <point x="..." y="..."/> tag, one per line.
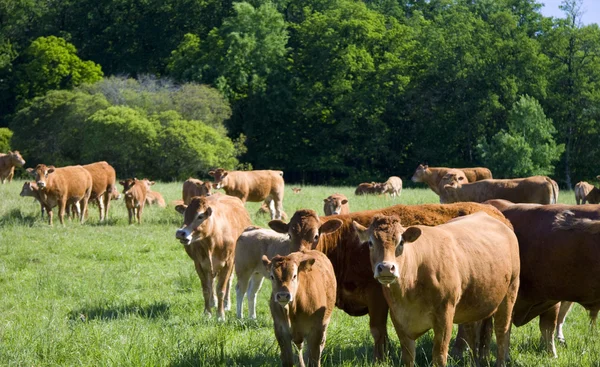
<point x="325" y="200"/>
<point x="279" y="226"/>
<point x="330" y="226"/>
<point x="411" y="234"/>
<point x="208" y="212"/>
<point x="225" y="173"/>
<point x="151" y="183"/>
<point x="266" y="262"/>
<point x="181" y="208"/>
<point x="361" y="231"/>
<point x="306" y="265"/>
<point x="51" y="169"/>
<point x="122" y="183"/>
<point x="344" y="202"/>
<point x="211" y="173"/>
<point x="31" y="171"/>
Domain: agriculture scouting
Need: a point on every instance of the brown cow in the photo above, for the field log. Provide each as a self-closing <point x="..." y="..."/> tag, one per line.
<point x="104" y="180"/>
<point x="393" y="186"/>
<point x="560" y="261"/>
<point x="372" y="188"/>
<point x="301" y="303"/>
<point x="135" y="192"/>
<point x="535" y="189"/>
<point x="194" y="187"/>
<point x="336" y="204"/>
<point x="8" y="162"/>
<point x="211" y="227"/>
<point x="64" y="186"/>
<point x="254" y="186"/>
<point x="358" y="292"/>
<point x="437" y="276"/>
<point x="433" y="175"/>
<point x="249" y="270"/>
<point x="30" y="188"/>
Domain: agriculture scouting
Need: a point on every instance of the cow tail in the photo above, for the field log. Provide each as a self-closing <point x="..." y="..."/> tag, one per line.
<point x="554" y="195"/>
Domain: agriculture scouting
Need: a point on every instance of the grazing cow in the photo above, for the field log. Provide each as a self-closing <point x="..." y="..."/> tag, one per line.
<point x="153" y="197"/>
<point x="560" y="261"/>
<point x="358" y="293"/>
<point x="249" y="270"/>
<point x="393" y="186"/>
<point x="104" y="182"/>
<point x="296" y="190"/>
<point x="135" y="192"/>
<point x="254" y="186"/>
<point x="336" y="204"/>
<point x="194" y="187"/>
<point x="63" y="186"/>
<point x="433" y="175"/>
<point x="535" y="189"/>
<point x="267" y="207"/>
<point x="301" y="303"/>
<point x="30" y="188"/>
<point x="372" y="188"/>
<point x="425" y="292"/>
<point x="8" y="162"/>
<point x="211" y="227"/>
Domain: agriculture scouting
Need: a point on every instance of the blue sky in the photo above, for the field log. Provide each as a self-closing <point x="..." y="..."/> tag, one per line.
<point x="591" y="7"/>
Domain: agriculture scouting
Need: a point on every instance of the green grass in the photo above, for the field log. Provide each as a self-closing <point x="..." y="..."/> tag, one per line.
<point x="119" y="295"/>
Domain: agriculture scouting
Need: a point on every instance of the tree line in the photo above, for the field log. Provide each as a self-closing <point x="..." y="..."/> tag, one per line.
<point x="330" y="91"/>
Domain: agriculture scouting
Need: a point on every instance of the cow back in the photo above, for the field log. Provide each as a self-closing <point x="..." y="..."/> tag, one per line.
<point x="256" y="185"/>
<point x="71" y="182"/>
<point x="104" y="178"/>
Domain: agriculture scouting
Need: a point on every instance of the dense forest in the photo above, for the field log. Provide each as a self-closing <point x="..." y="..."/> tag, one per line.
<point x="330" y="91"/>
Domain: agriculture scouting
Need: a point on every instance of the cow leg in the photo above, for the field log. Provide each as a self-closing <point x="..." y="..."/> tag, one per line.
<point x="255" y="284"/>
<point x="62" y="205"/>
<point x="76" y="209"/>
<point x="378" y="313"/>
<point x="107" y="195"/>
<point x="223" y="280"/>
<point x="227" y="301"/>
<point x="240" y="290"/>
<point x="84" y="209"/>
<point x="140" y="209"/>
<point x="130" y="214"/>
<point x="565" y="308"/>
<point x="467" y="336"/>
<point x="284" y="339"/>
<point x="315" y="343"/>
<point x="593" y="317"/>
<point x="207" y="288"/>
<point x="547" y="326"/>
<point x="277" y="203"/>
<point x="409" y="348"/>
<point x="50" y="214"/>
<point x="298" y="340"/>
<point x="100" y="202"/>
<point x="442" y="331"/>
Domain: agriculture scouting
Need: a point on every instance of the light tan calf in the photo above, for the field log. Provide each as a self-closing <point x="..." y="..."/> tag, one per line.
<point x="393" y="186"/>
<point x="433" y="175"/>
<point x="336" y="204"/>
<point x="301" y="303"/>
<point x="254" y="186"/>
<point x="194" y="187"/>
<point x="535" y="189"/>
<point x="582" y="189"/>
<point x="211" y="227"/>
<point x="31" y="189"/>
<point x="459" y="272"/>
<point x="135" y="192"/>
<point x="249" y="270"/>
<point x="153" y="197"/>
<point x="104" y="181"/>
<point x="8" y="162"/>
<point x="64" y="186"/>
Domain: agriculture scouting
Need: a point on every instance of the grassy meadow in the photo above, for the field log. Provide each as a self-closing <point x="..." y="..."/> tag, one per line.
<point x="119" y="295"/>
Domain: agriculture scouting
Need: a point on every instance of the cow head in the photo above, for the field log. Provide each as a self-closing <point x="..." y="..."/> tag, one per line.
<point x="450" y="183"/>
<point x="29" y="189"/>
<point x="283" y="271"/>
<point x="333" y="204"/>
<point x="386" y="238"/>
<point x="421" y="172"/>
<point x="114" y="194"/>
<point x="204" y="188"/>
<point x="128" y="184"/>
<point x="305" y="229"/>
<point x="41" y="174"/>
<point x="148" y="183"/>
<point x="16" y="159"/>
<point x="195" y="216"/>
<point x="220" y="176"/>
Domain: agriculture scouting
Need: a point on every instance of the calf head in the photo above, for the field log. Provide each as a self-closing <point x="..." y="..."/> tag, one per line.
<point x="114" y="194"/>
<point x="16" y="159"/>
<point x="128" y="185"/>
<point x="450" y="183"/>
<point x="386" y="239"/>
<point x="421" y="172"/>
<point x="283" y="271"/>
<point x="305" y="229"/>
<point x="333" y="204"/>
<point x="41" y="174"/>
<point x="148" y="183"/>
<point x="29" y="189"/>
<point x="195" y="216"/>
<point x="220" y="176"/>
<point x="204" y="188"/>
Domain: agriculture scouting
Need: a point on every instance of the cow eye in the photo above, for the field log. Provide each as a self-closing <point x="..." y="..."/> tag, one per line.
<point x="316" y="238"/>
<point x="294" y="277"/>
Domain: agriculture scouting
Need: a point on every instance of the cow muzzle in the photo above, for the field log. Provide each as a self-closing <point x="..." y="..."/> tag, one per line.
<point x="183" y="236"/>
<point x="336" y="212"/>
<point x="283" y="298"/>
<point x="41" y="184"/>
<point x="386" y="272"/>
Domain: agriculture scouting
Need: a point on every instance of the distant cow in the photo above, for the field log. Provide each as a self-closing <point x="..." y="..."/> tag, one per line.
<point x="301" y="303"/>
<point x="582" y="189"/>
<point x="459" y="272"/>
<point x="336" y="204"/>
<point x="393" y="186"/>
<point x="433" y="175"/>
<point x="104" y="181"/>
<point x="249" y="270"/>
<point x="296" y="190"/>
<point x="211" y="227"/>
<point x="358" y="292"/>
<point x="153" y="197"/>
<point x="535" y="189"/>
<point x="194" y="187"/>
<point x="8" y="162"/>
<point x="135" y="192"/>
<point x="372" y="188"/>
<point x="254" y="186"/>
<point x="63" y="186"/>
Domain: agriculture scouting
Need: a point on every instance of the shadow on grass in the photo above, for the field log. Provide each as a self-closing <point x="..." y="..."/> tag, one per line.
<point x="16" y="216"/>
<point x="108" y="313"/>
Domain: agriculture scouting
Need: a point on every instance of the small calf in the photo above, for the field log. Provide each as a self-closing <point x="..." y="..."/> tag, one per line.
<point x="393" y="186"/>
<point x="302" y="300"/>
<point x="153" y="197"/>
<point x="135" y="192"/>
<point x="30" y="188"/>
<point x="296" y="190"/>
<point x="336" y="204"/>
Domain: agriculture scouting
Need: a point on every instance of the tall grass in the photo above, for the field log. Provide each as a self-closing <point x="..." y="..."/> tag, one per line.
<point x="119" y="295"/>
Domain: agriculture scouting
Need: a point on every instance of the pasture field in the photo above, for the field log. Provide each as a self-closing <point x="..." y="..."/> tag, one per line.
<point x="119" y="295"/>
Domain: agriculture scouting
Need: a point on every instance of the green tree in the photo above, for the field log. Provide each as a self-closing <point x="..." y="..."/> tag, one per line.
<point x="527" y="148"/>
<point x="52" y="63"/>
<point x="5" y="136"/>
